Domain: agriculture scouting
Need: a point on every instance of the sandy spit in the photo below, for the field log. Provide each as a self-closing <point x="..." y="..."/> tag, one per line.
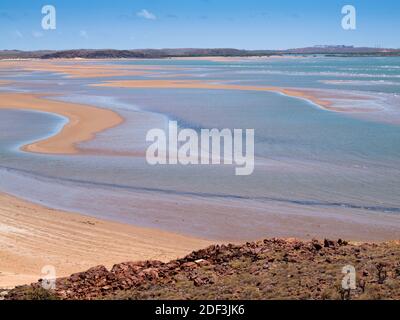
<point x="319" y="98"/>
<point x="83" y="121"/>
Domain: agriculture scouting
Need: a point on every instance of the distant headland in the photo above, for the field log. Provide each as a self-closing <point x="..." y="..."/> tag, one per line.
<point x="342" y="50"/>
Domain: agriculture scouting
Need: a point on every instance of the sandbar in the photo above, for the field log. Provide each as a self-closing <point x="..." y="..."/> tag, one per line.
<point x="84" y="122"/>
<point x="82" y="68"/>
<point x="320" y="98"/>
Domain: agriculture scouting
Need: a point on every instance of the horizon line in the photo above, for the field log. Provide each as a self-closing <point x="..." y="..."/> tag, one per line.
<point x="209" y="48"/>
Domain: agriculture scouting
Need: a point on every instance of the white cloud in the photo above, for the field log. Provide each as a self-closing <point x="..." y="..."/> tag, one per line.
<point x="146" y="14"/>
<point x="37" y="34"/>
<point x="84" y="34"/>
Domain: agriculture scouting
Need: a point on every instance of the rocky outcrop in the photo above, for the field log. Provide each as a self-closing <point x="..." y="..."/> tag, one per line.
<point x="274" y="268"/>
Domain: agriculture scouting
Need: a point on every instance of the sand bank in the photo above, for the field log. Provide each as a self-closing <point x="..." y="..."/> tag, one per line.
<point x="32" y="236"/>
<point x="81" y="68"/>
<point x="319" y="98"/>
<point x="84" y="121"/>
<point x="70" y="68"/>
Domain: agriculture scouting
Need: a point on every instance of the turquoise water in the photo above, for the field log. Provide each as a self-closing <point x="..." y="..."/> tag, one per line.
<point x="378" y="73"/>
<point x="21" y="127"/>
<point x="307" y="158"/>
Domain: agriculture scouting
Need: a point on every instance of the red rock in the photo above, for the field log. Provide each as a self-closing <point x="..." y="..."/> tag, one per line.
<point x="151" y="273"/>
<point x="189" y="265"/>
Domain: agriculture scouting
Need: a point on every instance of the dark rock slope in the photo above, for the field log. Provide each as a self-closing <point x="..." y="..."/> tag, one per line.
<point x="269" y="269"/>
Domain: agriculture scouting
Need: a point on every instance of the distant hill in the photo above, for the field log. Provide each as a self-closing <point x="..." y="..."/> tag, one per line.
<point x="192" y="52"/>
<point x="153" y="53"/>
<point x="343" y="50"/>
<point x="17" y="54"/>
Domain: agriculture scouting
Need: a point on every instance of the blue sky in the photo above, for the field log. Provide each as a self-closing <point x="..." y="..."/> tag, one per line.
<point x="247" y="24"/>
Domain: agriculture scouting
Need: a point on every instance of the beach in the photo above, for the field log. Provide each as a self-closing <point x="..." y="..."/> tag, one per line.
<point x="32" y="237"/>
<point x="77" y="191"/>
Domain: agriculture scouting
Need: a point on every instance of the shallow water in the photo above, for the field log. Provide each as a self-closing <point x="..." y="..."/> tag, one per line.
<point x="306" y="158"/>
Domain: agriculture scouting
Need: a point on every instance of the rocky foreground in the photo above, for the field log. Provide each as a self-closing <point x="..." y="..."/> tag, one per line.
<point x="269" y="269"/>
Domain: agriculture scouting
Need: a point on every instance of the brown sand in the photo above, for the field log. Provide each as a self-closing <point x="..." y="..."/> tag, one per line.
<point x="81" y="68"/>
<point x="32" y="236"/>
<point x="72" y="69"/>
<point x="84" y="121"/>
<point x="311" y="95"/>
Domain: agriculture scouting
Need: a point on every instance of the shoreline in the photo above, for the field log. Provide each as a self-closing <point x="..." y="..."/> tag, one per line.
<point x="84" y="122"/>
<point x="75" y="242"/>
<point x="305" y="94"/>
<point x="33" y="236"/>
<point x="80" y="69"/>
<point x="185" y="214"/>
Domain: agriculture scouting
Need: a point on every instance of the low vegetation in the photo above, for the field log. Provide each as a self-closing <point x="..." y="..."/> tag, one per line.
<point x="269" y="269"/>
<point x="348" y="51"/>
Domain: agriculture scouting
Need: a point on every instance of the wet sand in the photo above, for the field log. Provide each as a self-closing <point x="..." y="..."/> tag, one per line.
<point x="83" y="121"/>
<point x="32" y="236"/>
<point x="81" y="68"/>
<point x="319" y="98"/>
